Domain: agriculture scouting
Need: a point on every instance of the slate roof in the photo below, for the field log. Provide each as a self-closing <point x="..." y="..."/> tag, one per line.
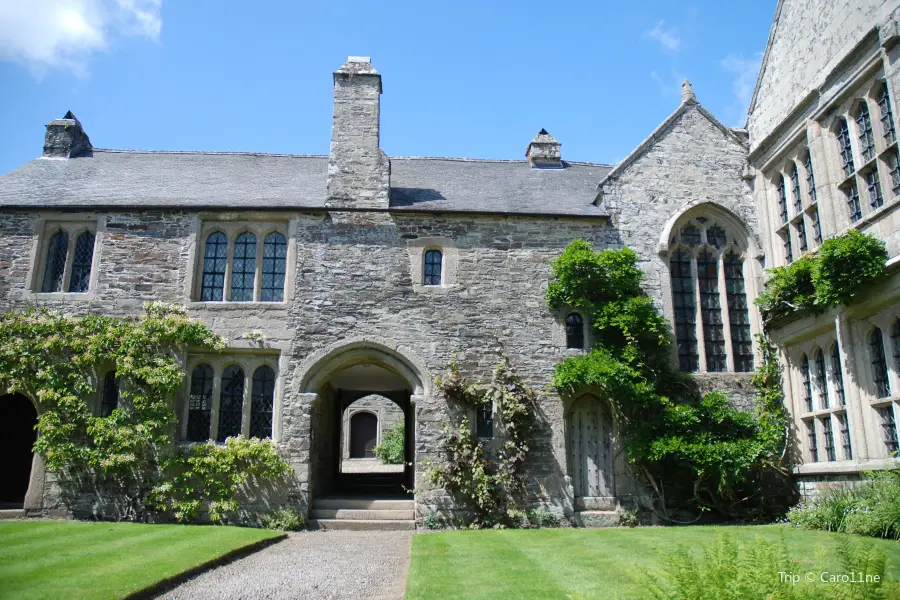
<point x="129" y="179"/>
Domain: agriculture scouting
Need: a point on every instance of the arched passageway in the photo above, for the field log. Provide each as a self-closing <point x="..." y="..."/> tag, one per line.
<point x="363" y="435"/>
<point x="17" y="436"/>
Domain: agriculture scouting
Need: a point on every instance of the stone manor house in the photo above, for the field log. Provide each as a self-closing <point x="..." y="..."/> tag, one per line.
<point x="344" y="283"/>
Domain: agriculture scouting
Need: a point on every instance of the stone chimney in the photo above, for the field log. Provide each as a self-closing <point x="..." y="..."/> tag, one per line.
<point x="359" y="173"/>
<point x="65" y="138"/>
<point x="687" y="93"/>
<point x="543" y="152"/>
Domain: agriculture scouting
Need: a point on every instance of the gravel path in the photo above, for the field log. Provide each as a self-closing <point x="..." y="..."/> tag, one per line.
<point x="320" y="565"/>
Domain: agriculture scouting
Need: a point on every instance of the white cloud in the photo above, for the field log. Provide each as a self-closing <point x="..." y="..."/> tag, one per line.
<point x="745" y="71"/>
<point x="62" y="34"/>
<point x="667" y="37"/>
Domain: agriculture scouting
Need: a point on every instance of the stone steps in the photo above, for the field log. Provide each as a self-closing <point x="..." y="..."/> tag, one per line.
<point x="597" y="518"/>
<point x="362" y="514"/>
<point x="12" y="513"/>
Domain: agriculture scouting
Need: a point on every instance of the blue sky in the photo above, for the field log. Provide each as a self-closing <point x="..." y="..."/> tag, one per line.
<point x="463" y="79"/>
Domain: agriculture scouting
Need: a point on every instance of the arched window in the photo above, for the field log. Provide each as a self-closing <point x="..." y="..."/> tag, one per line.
<point x="685" y="305"/>
<point x="864" y="126"/>
<point x="432" y="272"/>
<point x="215" y="261"/>
<point x="231" y="403"/>
<point x="879" y="364"/>
<point x="888" y="428"/>
<point x="243" y="272"/>
<point x="806" y="384"/>
<point x="813" y="444"/>
<point x="738" y="315"/>
<point x="837" y="376"/>
<point x="828" y="434"/>
<point x="200" y="403"/>
<point x="810" y="178"/>
<point x="273" y="267"/>
<point x="574" y="331"/>
<point x="843" y="137"/>
<point x="821" y="386"/>
<point x="845" y="435"/>
<point x="261" y="402"/>
<point x="895" y="342"/>
<point x="887" y="116"/>
<point x="782" y="199"/>
<point x="110" y="399"/>
<point x="81" y="263"/>
<point x="853" y="205"/>
<point x="55" y="265"/>
<point x="690" y="236"/>
<point x="795" y="189"/>
<point x="711" y="312"/>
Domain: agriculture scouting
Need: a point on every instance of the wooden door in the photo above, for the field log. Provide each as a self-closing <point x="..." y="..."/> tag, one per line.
<point x="363" y="435"/>
<point x="589" y="425"/>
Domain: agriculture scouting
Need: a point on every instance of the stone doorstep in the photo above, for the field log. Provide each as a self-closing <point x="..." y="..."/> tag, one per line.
<point x="361" y="504"/>
<point x="362" y="515"/>
<point x="595" y="503"/>
<point x="597" y="518"/>
<point x="362" y="525"/>
<point x="12" y="513"/>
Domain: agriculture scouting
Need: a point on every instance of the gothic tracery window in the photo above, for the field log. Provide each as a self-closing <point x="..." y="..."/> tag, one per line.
<point x="806" y="383"/>
<point x="843" y="136"/>
<point x="215" y="258"/>
<point x="243" y="262"/>
<point x="68" y="257"/>
<point x="55" y="266"/>
<point x="709" y="318"/>
<point x="864" y="126"/>
<point x="879" y="364"/>
<point x="243" y="271"/>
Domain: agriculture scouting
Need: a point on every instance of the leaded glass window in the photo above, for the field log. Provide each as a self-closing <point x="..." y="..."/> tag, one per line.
<point x="738" y="316"/>
<point x="843" y="136"/>
<point x="893" y="159"/>
<point x="817" y="226"/>
<point x="828" y="433"/>
<point x="873" y="187"/>
<point x="215" y="261"/>
<point x="801" y="235"/>
<point x="864" y="125"/>
<point x="795" y="189"/>
<point x="788" y="250"/>
<point x="895" y="342"/>
<point x="888" y="428"/>
<point x="879" y="364"/>
<point x="853" y="202"/>
<point x="81" y="262"/>
<point x="574" y="331"/>
<point x="805" y="382"/>
<point x="690" y="235"/>
<point x="243" y="272"/>
<point x="711" y="312"/>
<point x="821" y="386"/>
<point x="716" y="237"/>
<point x="887" y="116"/>
<point x="110" y="399"/>
<point x="55" y="266"/>
<point x="782" y="199"/>
<point x="231" y="402"/>
<point x="684" y="301"/>
<point x="810" y="178"/>
<point x="274" y="267"/>
<point x="200" y="403"/>
<point x="262" y="397"/>
<point x="845" y="436"/>
<point x="433" y="260"/>
<point x="837" y="375"/>
<point x="484" y="421"/>
<point x="813" y="444"/>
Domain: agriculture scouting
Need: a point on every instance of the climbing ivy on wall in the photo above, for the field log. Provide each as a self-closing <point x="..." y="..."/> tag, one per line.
<point x="131" y="453"/>
<point x="693" y="451"/>
<point x="489" y="482"/>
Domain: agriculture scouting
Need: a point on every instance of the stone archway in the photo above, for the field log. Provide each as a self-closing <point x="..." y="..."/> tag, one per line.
<point x="17" y="436"/>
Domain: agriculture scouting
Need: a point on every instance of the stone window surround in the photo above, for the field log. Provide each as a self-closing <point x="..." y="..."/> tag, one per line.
<point x="249" y="363"/>
<point x="417" y="248"/>
<point x="796" y="157"/>
<point x="884" y="320"/>
<point x="233" y="224"/>
<point x="45" y="226"/>
<point x="558" y="335"/>
<point x="733" y="232"/>
<point x="865" y="88"/>
<point x="794" y="379"/>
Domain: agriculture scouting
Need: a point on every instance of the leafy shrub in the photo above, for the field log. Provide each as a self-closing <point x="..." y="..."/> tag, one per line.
<point x="629" y="518"/>
<point x="391" y="448"/>
<point x="433" y="521"/>
<point x="789" y="289"/>
<point x="844" y="264"/>
<point x="539" y="517"/>
<point x="285" y="519"/>
<point x="761" y="570"/>
<point x="870" y="508"/>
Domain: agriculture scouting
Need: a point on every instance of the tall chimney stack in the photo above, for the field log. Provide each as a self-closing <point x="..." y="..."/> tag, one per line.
<point x="65" y="138"/>
<point x="359" y="173"/>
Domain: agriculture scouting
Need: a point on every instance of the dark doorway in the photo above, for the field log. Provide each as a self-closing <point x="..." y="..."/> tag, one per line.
<point x="363" y="435"/>
<point x="17" y="435"/>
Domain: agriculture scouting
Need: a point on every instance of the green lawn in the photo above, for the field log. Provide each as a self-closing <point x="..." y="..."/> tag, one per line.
<point x="577" y="563"/>
<point x="75" y="559"/>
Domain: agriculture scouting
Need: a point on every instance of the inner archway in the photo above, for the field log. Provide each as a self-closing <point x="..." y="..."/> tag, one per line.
<point x="17" y="436"/>
<point x="364" y="397"/>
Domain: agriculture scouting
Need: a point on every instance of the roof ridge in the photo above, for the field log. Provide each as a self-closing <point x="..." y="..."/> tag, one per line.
<point x="208" y="152"/>
<point x="493" y="160"/>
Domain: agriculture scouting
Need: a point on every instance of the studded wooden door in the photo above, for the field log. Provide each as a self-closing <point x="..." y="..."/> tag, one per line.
<point x="590" y="448"/>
